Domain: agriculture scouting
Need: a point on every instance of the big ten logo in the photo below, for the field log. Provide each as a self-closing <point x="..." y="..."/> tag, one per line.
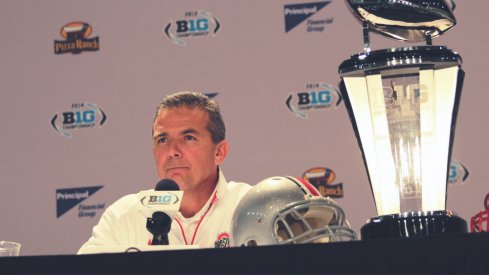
<point x="413" y="93"/>
<point x="395" y="98"/>
<point x="452" y="173"/>
<point x="160" y="199"/>
<point x="457" y="173"/>
<point x="315" y="95"/>
<point x="314" y="98"/>
<point x="80" y="116"/>
<point x="193" y="24"/>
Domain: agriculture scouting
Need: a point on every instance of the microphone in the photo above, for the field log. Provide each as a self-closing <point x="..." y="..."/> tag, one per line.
<point x="160" y="222"/>
<point x="159" y="225"/>
<point x="167" y="185"/>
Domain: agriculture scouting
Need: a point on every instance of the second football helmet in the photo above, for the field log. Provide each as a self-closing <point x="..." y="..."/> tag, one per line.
<point x="287" y="210"/>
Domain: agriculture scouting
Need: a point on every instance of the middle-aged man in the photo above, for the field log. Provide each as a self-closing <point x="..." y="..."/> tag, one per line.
<point x="188" y="147"/>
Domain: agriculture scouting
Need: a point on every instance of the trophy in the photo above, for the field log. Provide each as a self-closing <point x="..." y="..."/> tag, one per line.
<point x="403" y="104"/>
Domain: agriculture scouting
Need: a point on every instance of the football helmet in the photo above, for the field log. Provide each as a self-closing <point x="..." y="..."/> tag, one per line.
<point x="287" y="210"/>
<point x="480" y="221"/>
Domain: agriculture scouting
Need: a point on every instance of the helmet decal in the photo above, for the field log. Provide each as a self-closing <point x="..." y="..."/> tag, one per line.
<point x="305" y="184"/>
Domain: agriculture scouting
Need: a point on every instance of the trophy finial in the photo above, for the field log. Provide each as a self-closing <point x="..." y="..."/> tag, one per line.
<point x="406" y="20"/>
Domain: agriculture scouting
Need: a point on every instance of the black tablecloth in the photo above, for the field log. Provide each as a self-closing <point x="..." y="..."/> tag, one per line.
<point x="456" y="254"/>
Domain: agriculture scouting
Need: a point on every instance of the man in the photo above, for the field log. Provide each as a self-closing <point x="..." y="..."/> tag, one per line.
<point x="188" y="147"/>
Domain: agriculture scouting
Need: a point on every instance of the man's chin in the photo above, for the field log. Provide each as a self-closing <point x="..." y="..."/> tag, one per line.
<point x="179" y="179"/>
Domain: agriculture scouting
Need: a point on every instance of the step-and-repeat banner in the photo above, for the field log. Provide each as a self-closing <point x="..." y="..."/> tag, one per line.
<point x="79" y="82"/>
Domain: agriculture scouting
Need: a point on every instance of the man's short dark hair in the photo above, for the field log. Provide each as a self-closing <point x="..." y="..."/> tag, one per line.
<point x="196" y="100"/>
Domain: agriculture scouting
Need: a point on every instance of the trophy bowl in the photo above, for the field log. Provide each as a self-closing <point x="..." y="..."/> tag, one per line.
<point x="407" y="20"/>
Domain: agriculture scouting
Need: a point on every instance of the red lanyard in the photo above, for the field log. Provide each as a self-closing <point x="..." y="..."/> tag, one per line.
<point x="214" y="199"/>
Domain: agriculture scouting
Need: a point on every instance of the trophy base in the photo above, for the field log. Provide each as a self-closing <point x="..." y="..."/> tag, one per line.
<point x="413" y="224"/>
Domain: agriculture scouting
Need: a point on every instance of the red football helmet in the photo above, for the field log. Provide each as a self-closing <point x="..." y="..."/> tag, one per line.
<point x="480" y="222"/>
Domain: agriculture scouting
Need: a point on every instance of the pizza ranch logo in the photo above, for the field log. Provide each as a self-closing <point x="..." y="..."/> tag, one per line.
<point x="222" y="240"/>
<point x="76" y="39"/>
<point x="323" y="179"/>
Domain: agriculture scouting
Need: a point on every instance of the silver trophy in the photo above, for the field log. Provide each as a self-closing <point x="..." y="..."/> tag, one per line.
<point x="403" y="104"/>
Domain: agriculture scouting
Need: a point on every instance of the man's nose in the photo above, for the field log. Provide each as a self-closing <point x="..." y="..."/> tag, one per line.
<point x="174" y="151"/>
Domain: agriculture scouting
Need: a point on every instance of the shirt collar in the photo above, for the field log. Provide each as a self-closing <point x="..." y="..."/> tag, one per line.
<point x="221" y="185"/>
<point x="218" y="192"/>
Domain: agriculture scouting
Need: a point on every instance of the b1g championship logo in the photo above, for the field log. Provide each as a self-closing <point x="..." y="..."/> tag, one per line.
<point x="83" y="115"/>
<point x="295" y="14"/>
<point x="77" y="41"/>
<point x="193" y="24"/>
<point x="458" y="173"/>
<point x="322" y="178"/>
<point x="315" y="96"/>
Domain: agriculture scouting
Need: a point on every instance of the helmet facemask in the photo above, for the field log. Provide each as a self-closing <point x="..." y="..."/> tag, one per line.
<point x="316" y="220"/>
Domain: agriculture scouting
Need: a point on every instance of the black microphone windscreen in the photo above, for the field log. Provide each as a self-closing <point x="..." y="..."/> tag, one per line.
<point x="167" y="185"/>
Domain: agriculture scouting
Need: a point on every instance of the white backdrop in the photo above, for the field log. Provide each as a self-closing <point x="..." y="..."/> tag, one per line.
<point x="250" y="62"/>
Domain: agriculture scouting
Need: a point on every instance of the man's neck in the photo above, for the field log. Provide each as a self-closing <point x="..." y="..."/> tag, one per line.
<point x="194" y="200"/>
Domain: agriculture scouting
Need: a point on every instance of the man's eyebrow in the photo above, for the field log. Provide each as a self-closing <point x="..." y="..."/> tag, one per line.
<point x="189" y="131"/>
<point x="184" y="132"/>
<point x="160" y="135"/>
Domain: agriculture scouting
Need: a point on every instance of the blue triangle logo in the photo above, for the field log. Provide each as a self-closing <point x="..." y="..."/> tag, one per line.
<point x="211" y="95"/>
<point x="297" y="13"/>
<point x="68" y="198"/>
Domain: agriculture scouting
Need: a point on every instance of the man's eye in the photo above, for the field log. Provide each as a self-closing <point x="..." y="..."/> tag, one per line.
<point x="189" y="138"/>
<point x="161" y="140"/>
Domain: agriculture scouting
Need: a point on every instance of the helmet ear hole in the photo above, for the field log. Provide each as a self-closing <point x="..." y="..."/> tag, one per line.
<point x="251" y="243"/>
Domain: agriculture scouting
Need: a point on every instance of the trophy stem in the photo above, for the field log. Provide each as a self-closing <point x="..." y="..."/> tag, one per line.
<point x="428" y="39"/>
<point x="366" y="38"/>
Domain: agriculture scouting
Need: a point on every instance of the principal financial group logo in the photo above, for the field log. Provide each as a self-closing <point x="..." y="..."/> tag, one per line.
<point x="314" y="96"/>
<point x="193" y="24"/>
<point x="67" y="199"/>
<point x="211" y="95"/>
<point x="322" y="178"/>
<point x="84" y="115"/>
<point x="76" y="35"/>
<point x="295" y="14"/>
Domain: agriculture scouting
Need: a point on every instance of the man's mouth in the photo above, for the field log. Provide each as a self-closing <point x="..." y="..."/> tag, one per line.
<point x="174" y="168"/>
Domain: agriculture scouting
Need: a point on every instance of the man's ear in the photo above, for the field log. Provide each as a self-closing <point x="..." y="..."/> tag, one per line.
<point x="221" y="152"/>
